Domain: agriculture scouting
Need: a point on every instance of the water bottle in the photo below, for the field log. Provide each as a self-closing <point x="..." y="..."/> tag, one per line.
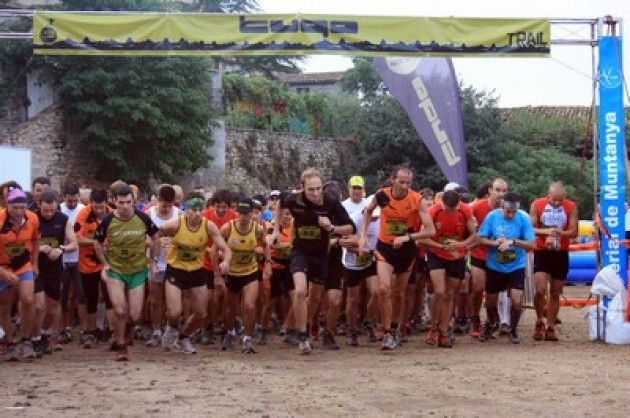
<point x="555" y="245"/>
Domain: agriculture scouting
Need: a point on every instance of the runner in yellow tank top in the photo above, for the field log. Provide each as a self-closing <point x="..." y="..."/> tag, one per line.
<point x="243" y="235"/>
<point x="185" y="272"/>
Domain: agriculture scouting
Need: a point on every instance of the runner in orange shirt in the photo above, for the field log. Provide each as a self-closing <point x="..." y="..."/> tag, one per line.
<point x="402" y="210"/>
<point x="19" y="236"/>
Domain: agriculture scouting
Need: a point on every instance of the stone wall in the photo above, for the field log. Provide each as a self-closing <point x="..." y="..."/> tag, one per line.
<point x="258" y="161"/>
<point x="254" y="161"/>
<point x="43" y="135"/>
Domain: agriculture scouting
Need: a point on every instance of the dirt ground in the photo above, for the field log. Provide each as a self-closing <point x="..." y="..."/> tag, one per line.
<point x="573" y="377"/>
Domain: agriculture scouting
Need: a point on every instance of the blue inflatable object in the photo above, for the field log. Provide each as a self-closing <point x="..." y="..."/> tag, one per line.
<point x="581" y="276"/>
<point x="582" y="260"/>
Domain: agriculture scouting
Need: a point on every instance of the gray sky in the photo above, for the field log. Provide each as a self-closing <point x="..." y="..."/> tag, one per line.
<point x="563" y="79"/>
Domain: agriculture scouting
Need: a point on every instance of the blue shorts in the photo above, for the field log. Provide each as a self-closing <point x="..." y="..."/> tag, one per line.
<point x="24" y="277"/>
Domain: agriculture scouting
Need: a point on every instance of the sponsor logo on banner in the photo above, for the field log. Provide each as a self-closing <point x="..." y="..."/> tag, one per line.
<point x="427" y="89"/>
<point x="611" y="157"/>
<point x="69" y="33"/>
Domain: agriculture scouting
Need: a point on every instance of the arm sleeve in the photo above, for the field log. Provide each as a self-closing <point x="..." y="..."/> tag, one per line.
<point x="101" y="231"/>
<point x="152" y="228"/>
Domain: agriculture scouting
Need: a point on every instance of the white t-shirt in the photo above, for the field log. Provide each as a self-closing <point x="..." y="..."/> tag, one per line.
<point x="161" y="262"/>
<point x="72" y="257"/>
<point x="349" y="259"/>
<point x="352" y="207"/>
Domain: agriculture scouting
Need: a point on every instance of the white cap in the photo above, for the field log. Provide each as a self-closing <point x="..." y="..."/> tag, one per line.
<point x="451" y="186"/>
<point x="377" y="210"/>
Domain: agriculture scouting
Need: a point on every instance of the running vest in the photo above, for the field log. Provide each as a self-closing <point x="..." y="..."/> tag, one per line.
<point x="125" y="241"/>
<point x="85" y="226"/>
<point x="243" y="262"/>
<point x="153" y="214"/>
<point x="549" y="216"/>
<point x="16" y="247"/>
<point x="52" y="233"/>
<point x="399" y="216"/>
<point x="449" y="225"/>
<point x="281" y="255"/>
<point x="72" y="257"/>
<point x="188" y="247"/>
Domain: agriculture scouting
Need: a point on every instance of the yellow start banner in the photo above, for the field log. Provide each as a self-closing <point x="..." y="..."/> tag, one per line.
<point x="91" y="33"/>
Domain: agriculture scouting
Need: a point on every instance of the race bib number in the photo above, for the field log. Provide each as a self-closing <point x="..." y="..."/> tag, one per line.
<point x="448" y="237"/>
<point x="506" y="257"/>
<point x="364" y="260"/>
<point x="185" y="253"/>
<point x="283" y="253"/>
<point x="14" y="250"/>
<point x="50" y="241"/>
<point x="243" y="257"/>
<point x="396" y="227"/>
<point x="309" y="232"/>
<point x="124" y="253"/>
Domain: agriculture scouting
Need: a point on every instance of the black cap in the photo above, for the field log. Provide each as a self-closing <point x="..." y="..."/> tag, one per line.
<point x="244" y="205"/>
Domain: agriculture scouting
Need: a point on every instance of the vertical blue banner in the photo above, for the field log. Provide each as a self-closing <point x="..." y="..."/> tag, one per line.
<point x="612" y="171"/>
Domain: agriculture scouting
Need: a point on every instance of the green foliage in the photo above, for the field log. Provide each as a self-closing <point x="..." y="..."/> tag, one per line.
<point x="363" y="79"/>
<point x="116" y="5"/>
<point x="15" y="61"/>
<point x="140" y="118"/>
<point x="529" y="171"/>
<point x="547" y="131"/>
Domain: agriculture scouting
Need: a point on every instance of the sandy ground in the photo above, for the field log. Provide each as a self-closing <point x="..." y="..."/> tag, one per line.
<point x="573" y="377"/>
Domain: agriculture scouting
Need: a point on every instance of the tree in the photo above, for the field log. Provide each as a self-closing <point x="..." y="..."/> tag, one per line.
<point x="363" y="79"/>
<point x="138" y="117"/>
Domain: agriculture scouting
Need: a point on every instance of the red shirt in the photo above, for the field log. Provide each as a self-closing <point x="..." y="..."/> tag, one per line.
<point x="211" y="215"/>
<point x="449" y="225"/>
<point x="548" y="216"/>
<point x="480" y="210"/>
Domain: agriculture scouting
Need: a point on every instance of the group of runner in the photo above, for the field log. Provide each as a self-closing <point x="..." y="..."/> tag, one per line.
<point x="307" y="261"/>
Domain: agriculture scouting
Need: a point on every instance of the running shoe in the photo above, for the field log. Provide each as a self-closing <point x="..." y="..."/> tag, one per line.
<point x="514" y="337"/>
<point x="329" y="341"/>
<point x="488" y="332"/>
<point x="169" y="338"/>
<point x="352" y="339"/>
<point x="228" y="341"/>
<point x="389" y="342"/>
<point x="444" y="341"/>
<point x="305" y="346"/>
<point x="155" y="340"/>
<point x="291" y="338"/>
<point x="379" y="333"/>
<point x="550" y="334"/>
<point x="186" y="345"/>
<point x="539" y="331"/>
<point x="248" y="346"/>
<point x="207" y="336"/>
<point x="89" y="341"/>
<point x="45" y="344"/>
<point x="121" y="354"/>
<point x="27" y="350"/>
<point x="504" y="330"/>
<point x="432" y="337"/>
<point x="65" y="336"/>
<point x="262" y="336"/>
<point x="10" y="353"/>
<point x="38" y="347"/>
<point x="475" y="327"/>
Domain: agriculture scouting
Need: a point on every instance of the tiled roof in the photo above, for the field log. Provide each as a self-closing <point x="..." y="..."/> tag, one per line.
<point x="312" y="78"/>
<point x="571" y="112"/>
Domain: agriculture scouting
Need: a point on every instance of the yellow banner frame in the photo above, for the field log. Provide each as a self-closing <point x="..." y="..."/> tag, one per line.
<point x="92" y="33"/>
